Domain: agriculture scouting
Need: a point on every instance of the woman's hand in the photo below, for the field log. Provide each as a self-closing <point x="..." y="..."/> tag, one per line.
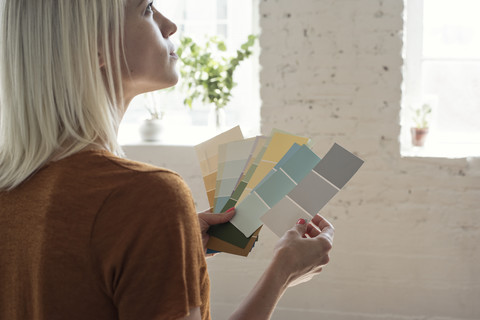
<point x="207" y="219"/>
<point x="299" y="255"/>
<point x="303" y="250"/>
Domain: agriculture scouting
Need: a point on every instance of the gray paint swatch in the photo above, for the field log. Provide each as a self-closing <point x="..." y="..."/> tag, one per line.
<point x="338" y="166"/>
<point x="312" y="193"/>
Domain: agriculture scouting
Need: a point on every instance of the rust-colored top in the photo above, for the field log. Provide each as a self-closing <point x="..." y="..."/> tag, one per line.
<point x="94" y="236"/>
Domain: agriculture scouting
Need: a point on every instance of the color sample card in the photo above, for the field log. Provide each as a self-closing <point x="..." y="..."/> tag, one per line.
<point x="257" y="155"/>
<point x="228" y="233"/>
<point x="232" y="160"/>
<point x="283" y="216"/>
<point x="224" y="234"/>
<point x="278" y="146"/>
<point x="338" y="166"/>
<point x="272" y="189"/>
<point x="314" y="191"/>
<point x="207" y="154"/>
<point x="219" y="245"/>
<point x="260" y="143"/>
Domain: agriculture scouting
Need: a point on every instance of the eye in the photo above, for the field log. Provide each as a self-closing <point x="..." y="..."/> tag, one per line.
<point x="149" y="8"/>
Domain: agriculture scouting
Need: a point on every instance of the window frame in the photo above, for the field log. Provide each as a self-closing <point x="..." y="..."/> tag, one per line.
<point x="442" y="143"/>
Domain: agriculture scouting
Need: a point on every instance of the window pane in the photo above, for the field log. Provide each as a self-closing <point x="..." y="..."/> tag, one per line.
<point x="222" y="9"/>
<point x="222" y="30"/>
<point x="170" y="9"/>
<point x="457" y="86"/>
<point x="451" y="29"/>
<point x="200" y="10"/>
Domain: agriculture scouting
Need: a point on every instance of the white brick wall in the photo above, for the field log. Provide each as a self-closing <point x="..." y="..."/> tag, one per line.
<point x="408" y="229"/>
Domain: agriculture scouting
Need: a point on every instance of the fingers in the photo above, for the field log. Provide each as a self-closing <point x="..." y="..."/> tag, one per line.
<point x="324" y="227"/>
<point x="321" y="222"/>
<point x="300" y="228"/>
<point x="312" y="230"/>
<point x="318" y="226"/>
<point x="217" y="218"/>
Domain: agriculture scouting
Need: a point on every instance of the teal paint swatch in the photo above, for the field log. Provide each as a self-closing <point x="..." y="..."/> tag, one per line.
<point x="295" y="147"/>
<point x="302" y="160"/>
<point x="275" y="188"/>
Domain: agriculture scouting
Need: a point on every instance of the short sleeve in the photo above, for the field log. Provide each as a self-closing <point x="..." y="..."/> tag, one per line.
<point x="147" y="245"/>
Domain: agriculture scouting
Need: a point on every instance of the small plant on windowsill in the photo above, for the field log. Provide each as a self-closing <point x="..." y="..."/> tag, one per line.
<point x="152" y="127"/>
<point x="420" y="131"/>
<point x="207" y="75"/>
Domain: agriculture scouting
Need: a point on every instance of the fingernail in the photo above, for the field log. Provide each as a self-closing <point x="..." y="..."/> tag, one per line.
<point x="301" y="221"/>
<point x="230" y="210"/>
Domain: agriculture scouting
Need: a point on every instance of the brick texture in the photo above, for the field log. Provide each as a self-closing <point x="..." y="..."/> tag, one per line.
<point x="408" y="229"/>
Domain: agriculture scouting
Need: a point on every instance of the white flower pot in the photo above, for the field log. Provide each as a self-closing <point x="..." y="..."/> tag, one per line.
<point x="151" y="130"/>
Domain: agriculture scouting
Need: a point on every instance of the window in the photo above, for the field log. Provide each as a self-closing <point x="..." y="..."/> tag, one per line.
<point x="442" y="68"/>
<point x="231" y="20"/>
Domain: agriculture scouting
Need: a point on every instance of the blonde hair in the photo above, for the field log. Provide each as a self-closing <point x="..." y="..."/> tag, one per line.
<point x="53" y="95"/>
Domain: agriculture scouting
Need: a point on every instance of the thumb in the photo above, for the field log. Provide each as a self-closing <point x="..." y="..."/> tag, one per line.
<point x="217" y="218"/>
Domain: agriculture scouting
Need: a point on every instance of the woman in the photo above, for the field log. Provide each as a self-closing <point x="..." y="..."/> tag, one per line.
<point x="84" y="233"/>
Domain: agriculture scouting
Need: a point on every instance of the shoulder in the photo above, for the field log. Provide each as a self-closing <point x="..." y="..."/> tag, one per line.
<point x="126" y="187"/>
<point x="161" y="190"/>
<point x="145" y="202"/>
<point x="144" y="189"/>
<point x="116" y="173"/>
<point x="131" y="165"/>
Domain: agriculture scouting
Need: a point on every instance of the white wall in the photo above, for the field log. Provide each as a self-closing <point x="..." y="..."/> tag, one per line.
<point x="407" y="229"/>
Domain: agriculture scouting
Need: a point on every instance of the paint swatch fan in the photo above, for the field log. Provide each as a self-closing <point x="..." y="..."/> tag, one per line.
<point x="272" y="180"/>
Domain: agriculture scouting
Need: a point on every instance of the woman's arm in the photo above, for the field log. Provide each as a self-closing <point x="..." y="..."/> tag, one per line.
<point x="263" y="298"/>
<point x="297" y="259"/>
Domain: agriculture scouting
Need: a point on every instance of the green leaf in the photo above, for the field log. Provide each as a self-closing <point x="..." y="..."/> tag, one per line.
<point x="207" y="72"/>
<point x="221" y="46"/>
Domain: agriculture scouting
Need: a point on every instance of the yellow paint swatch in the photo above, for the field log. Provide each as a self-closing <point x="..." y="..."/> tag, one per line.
<point x="207" y="154"/>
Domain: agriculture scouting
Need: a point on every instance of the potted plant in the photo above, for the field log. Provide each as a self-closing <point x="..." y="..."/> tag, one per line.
<point x="151" y="128"/>
<point x="207" y="75"/>
<point x="420" y="131"/>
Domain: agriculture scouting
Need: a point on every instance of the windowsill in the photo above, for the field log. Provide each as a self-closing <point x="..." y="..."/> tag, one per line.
<point x="434" y="149"/>
<point x="450" y="145"/>
<point x="172" y="135"/>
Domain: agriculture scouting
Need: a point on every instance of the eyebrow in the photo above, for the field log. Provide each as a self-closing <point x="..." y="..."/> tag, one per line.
<point x="139" y="3"/>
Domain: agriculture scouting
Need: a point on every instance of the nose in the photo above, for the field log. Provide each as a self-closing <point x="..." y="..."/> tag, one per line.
<point x="167" y="27"/>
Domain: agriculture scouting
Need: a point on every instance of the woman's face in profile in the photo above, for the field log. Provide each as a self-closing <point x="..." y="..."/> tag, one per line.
<point x="148" y="49"/>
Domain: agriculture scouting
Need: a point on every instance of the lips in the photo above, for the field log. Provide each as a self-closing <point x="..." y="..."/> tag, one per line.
<point x="172" y="51"/>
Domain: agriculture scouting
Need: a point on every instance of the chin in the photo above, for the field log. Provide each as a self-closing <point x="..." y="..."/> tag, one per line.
<point x="173" y="82"/>
<point x="164" y="85"/>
